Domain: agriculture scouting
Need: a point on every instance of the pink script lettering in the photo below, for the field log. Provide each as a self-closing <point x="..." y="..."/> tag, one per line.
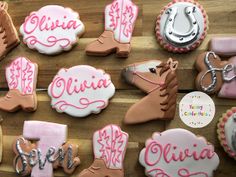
<point x="73" y="86"/>
<point x="34" y="22"/>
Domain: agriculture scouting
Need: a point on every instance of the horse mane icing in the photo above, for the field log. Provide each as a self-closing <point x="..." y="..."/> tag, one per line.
<point x="169" y="89"/>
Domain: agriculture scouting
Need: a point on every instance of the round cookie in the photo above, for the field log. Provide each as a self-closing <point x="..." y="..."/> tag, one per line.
<point x="178" y="153"/>
<point x="181" y="26"/>
<point x="52" y="29"/>
<point x="80" y="90"/>
<point x="227" y="132"/>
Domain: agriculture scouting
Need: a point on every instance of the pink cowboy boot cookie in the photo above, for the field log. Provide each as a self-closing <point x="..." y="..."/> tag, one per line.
<point x="109" y="146"/>
<point x="120" y="17"/>
<point x="21" y="76"/>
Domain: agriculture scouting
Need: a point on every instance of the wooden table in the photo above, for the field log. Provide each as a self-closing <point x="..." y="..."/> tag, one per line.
<point x="222" y="15"/>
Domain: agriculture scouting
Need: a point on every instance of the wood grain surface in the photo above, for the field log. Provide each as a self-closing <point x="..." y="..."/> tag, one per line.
<point x="222" y="15"/>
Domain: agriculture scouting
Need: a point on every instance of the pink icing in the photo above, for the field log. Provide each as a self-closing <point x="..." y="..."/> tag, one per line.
<point x="169" y="154"/>
<point x="110" y="145"/>
<point x="120" y="17"/>
<point x="80" y="90"/>
<point x="20" y="75"/>
<point x="48" y="135"/>
<point x="228" y="88"/>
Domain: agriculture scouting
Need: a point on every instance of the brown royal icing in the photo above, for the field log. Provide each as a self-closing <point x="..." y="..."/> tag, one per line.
<point x="158" y="79"/>
<point x="207" y="80"/>
<point x="8" y="34"/>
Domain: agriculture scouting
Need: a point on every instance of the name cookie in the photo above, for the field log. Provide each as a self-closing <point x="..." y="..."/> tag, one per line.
<point x="178" y="153"/>
<point x="181" y="26"/>
<point x="52" y="29"/>
<point x="8" y="33"/>
<point x="80" y="90"/>
<point x="50" y="151"/>
<point x="216" y="76"/>
<point x="227" y="132"/>
<point x="158" y="79"/>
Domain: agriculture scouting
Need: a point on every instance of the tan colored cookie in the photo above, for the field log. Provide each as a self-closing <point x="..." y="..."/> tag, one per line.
<point x="8" y="34"/>
<point x="203" y="79"/>
<point x="158" y="79"/>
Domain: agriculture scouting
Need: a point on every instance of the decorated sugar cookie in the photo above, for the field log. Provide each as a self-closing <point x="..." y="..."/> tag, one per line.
<point x="109" y="147"/>
<point x="21" y="76"/>
<point x="181" y="26"/>
<point x="80" y="90"/>
<point x="158" y="79"/>
<point x="178" y="153"/>
<point x="8" y="33"/>
<point x="120" y="17"/>
<point x="215" y="75"/>
<point x="223" y="46"/>
<point x="1" y="140"/>
<point x="50" y="151"/>
<point x="227" y="132"/>
<point x="52" y="29"/>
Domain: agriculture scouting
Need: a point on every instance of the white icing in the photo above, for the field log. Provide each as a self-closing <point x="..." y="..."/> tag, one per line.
<point x="182" y="24"/>
<point x="120" y="17"/>
<point x="110" y="144"/>
<point x="230" y="125"/>
<point x="51" y="41"/>
<point x="181" y="139"/>
<point x="86" y="99"/>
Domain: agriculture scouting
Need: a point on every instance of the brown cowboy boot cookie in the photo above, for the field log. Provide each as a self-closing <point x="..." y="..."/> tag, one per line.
<point x="120" y="17"/>
<point x="8" y="34"/>
<point x="21" y="77"/>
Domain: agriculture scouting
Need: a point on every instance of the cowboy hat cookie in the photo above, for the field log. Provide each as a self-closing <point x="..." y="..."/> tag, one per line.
<point x="215" y="75"/>
<point x="50" y="151"/>
<point x="178" y="153"/>
<point x="120" y="17"/>
<point x="109" y="147"/>
<point x="227" y="132"/>
<point x="181" y="26"/>
<point x="8" y="34"/>
<point x="52" y="29"/>
<point x="80" y="90"/>
<point x="158" y="79"/>
<point x="21" y="76"/>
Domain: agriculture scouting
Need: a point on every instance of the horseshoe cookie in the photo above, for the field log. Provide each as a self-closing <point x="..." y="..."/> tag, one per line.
<point x="216" y="76"/>
<point x="227" y="132"/>
<point x="181" y="26"/>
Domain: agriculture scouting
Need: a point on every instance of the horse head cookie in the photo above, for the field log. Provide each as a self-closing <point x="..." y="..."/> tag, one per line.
<point x="50" y="151"/>
<point x="178" y="153"/>
<point x="52" y="29"/>
<point x="216" y="76"/>
<point x="157" y="79"/>
<point x="181" y="26"/>
<point x="8" y="34"/>
<point x="80" y="90"/>
<point x="21" y="76"/>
